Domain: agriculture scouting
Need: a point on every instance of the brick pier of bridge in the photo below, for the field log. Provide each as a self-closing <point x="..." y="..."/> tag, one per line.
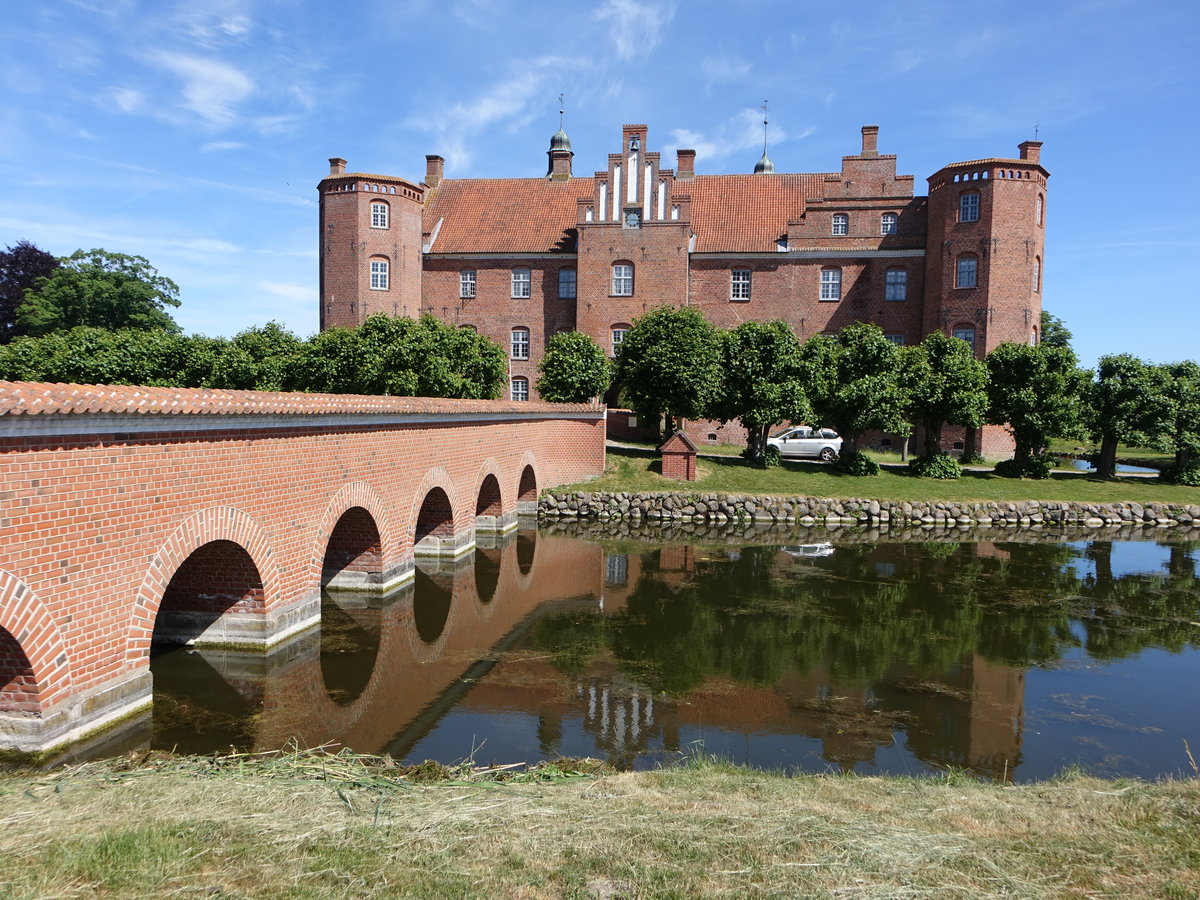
<point x="135" y="517"/>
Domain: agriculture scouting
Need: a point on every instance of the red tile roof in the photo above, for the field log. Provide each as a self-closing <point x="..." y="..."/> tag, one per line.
<point x="730" y="213"/>
<point x="36" y="398"/>
<point x="505" y="215"/>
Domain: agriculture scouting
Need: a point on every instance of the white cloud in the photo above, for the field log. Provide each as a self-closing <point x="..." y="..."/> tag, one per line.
<point x="212" y="146"/>
<point x="635" y="28"/>
<point x="300" y="293"/>
<point x="211" y="89"/>
<point x="740" y="133"/>
<point x="724" y="68"/>
<point x="128" y="100"/>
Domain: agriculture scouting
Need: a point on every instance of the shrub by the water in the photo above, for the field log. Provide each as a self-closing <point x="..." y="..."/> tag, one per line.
<point x="1188" y="475"/>
<point x="855" y="463"/>
<point x="1029" y="467"/>
<point x="938" y="465"/>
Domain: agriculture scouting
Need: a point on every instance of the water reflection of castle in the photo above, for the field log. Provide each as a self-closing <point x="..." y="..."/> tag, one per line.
<point x="558" y="632"/>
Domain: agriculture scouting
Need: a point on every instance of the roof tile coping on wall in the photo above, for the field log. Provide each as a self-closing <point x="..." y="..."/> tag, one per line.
<point x="18" y="398"/>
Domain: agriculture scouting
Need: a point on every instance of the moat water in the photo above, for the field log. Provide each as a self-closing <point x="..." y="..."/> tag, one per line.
<point x="1012" y="658"/>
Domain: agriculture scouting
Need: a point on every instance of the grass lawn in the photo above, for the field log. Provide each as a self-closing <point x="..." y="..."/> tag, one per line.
<point x="637" y="469"/>
<point x="341" y="827"/>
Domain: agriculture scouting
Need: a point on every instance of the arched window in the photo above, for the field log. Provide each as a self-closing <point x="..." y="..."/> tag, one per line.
<point x="965" y="332"/>
<point x="518" y="389"/>
<point x="567" y="284"/>
<point x="622" y="279"/>
<point x="966" y="271"/>
<point x="895" y="284"/>
<point x="841" y="224"/>
<point x="968" y="207"/>
<point x="379" y="273"/>
<point x="520" y="343"/>
<point x="618" y="335"/>
<point x="379" y="214"/>
<point x="831" y="284"/>
<point x="888" y="223"/>
<point x="466" y="284"/>
<point x="1033" y="338"/>
<point x="1037" y="273"/>
<point x="1041" y="201"/>
<point x="522" y="282"/>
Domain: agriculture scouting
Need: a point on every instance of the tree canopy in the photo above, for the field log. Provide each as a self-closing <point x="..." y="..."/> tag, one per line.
<point x="21" y="265"/>
<point x="100" y="289"/>
<point x="1054" y="331"/>
<point x="1127" y="402"/>
<point x="670" y="362"/>
<point x="944" y="385"/>
<point x="574" y="369"/>
<point x="1180" y="433"/>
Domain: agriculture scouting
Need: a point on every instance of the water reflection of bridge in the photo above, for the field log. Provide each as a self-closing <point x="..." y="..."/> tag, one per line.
<point x="382" y="675"/>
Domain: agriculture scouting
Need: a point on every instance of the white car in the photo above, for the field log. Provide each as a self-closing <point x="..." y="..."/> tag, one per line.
<point x="821" y="443"/>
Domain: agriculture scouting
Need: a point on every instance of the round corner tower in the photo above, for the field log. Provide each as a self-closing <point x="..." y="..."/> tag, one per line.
<point x="986" y="249"/>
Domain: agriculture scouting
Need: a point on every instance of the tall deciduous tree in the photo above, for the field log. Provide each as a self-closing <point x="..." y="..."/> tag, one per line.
<point x="1054" y="331"/>
<point x="1126" y="404"/>
<point x="21" y="265"/>
<point x="855" y="383"/>
<point x="670" y="362"/>
<point x="574" y="369"/>
<point x="100" y="289"/>
<point x="764" y="375"/>
<point x="945" y="385"/>
<point x="1035" y="392"/>
<point x="1181" y="432"/>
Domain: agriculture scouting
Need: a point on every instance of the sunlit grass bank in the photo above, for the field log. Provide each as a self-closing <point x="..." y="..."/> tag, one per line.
<point x="638" y="469"/>
<point x="300" y="826"/>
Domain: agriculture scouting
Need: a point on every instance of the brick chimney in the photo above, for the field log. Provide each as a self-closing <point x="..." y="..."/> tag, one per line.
<point x="434" y="166"/>
<point x="1031" y="150"/>
<point x="337" y="165"/>
<point x="870" y="140"/>
<point x="685" y="169"/>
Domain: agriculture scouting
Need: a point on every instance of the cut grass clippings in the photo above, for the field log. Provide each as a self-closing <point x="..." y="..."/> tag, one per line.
<point x="307" y="825"/>
<point x="637" y="469"/>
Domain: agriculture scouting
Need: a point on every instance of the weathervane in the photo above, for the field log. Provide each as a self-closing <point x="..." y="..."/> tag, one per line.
<point x="764" y="109"/>
<point x="560" y="112"/>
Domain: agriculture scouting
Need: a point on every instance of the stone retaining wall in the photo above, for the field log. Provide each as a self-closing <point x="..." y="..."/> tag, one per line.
<point x="726" y="508"/>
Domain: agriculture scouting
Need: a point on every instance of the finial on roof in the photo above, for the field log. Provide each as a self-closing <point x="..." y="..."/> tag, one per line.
<point x="764" y="166"/>
<point x="560" y="141"/>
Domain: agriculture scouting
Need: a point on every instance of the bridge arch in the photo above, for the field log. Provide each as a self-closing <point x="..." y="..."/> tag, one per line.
<point x="488" y="500"/>
<point x="349" y="541"/>
<point x="434" y="522"/>
<point x="35" y="670"/>
<point x="527" y="487"/>
<point x="222" y="524"/>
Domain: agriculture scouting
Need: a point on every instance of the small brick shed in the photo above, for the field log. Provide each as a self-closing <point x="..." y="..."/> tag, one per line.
<point x="678" y="457"/>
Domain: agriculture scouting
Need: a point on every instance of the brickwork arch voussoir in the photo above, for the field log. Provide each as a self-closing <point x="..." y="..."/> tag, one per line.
<point x="357" y="493"/>
<point x="27" y="619"/>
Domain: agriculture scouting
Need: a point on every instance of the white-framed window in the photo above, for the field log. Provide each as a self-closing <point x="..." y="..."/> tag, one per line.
<point x="522" y="282"/>
<point x="1040" y="204"/>
<point x="831" y="284"/>
<point x="966" y="272"/>
<point x="1037" y="273"/>
<point x="466" y="284"/>
<point x="841" y="224"/>
<point x="567" y="284"/>
<point x="379" y="215"/>
<point x="968" y="207"/>
<point x="739" y="284"/>
<point x="520" y="343"/>
<point x="518" y="389"/>
<point x="895" y="337"/>
<point x="379" y="274"/>
<point x="622" y="280"/>
<point x="895" y="284"/>
<point x="966" y="333"/>
<point x="888" y="223"/>
<point x="618" y="336"/>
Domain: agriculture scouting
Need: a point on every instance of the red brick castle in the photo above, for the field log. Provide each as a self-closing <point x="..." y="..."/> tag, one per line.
<point x="519" y="259"/>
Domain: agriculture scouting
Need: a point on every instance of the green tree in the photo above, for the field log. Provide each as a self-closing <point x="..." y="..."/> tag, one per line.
<point x="670" y="362"/>
<point x="257" y="359"/>
<point x="945" y="385"/>
<point x="87" y="355"/>
<point x="855" y="385"/>
<point x="1181" y="432"/>
<point x="574" y="369"/>
<point x="1054" y="331"/>
<point x="103" y="290"/>
<point x="21" y="265"/>
<point x="764" y="380"/>
<point x="1126" y="404"/>
<point x="1035" y="392"/>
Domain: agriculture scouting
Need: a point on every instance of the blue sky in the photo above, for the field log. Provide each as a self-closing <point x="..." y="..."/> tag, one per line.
<point x="194" y="133"/>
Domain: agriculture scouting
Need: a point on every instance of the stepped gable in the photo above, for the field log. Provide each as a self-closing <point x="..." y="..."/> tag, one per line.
<point x="504" y="215"/>
<point x="748" y="213"/>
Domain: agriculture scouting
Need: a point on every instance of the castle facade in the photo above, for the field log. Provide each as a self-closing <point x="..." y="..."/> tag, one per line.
<point x="520" y="259"/>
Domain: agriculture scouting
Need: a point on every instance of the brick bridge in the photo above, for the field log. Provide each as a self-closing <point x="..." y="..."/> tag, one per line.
<point x="131" y="517"/>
